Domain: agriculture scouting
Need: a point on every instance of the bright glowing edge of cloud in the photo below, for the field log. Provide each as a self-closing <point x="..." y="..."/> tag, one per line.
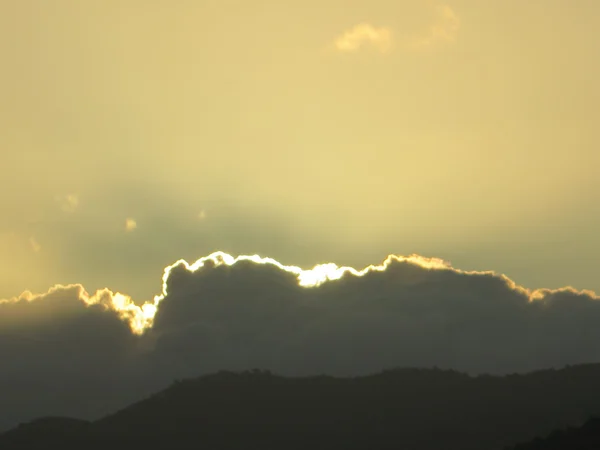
<point x="141" y="318"/>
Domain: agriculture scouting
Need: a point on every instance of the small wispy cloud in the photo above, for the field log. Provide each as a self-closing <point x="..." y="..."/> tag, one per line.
<point x="202" y="215"/>
<point x="362" y="34"/>
<point x="68" y="203"/>
<point x="35" y="246"/>
<point x="130" y="224"/>
<point x="444" y="28"/>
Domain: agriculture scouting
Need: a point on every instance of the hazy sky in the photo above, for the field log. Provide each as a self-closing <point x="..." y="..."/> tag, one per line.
<point x="135" y="133"/>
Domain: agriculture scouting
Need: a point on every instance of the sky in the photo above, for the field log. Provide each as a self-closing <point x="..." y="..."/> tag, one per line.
<point x="136" y="134"/>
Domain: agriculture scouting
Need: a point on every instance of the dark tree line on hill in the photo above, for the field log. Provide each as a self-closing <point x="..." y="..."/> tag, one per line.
<point x="418" y="409"/>
<point x="586" y="437"/>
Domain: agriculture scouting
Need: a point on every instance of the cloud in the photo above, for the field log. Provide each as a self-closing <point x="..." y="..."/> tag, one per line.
<point x="444" y="28"/>
<point x="202" y="215"/>
<point x="130" y="224"/>
<point x="364" y="33"/>
<point x="54" y="347"/>
<point x="35" y="246"/>
<point x="68" y="203"/>
<point x="225" y="312"/>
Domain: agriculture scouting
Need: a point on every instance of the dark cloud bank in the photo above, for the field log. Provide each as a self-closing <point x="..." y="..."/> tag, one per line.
<point x="60" y="356"/>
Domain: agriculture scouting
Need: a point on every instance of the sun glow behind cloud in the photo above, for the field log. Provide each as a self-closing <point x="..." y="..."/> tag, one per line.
<point x="141" y="317"/>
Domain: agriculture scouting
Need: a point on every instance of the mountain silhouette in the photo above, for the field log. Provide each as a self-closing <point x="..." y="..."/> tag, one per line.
<point x="418" y="409"/>
<point x="586" y="437"/>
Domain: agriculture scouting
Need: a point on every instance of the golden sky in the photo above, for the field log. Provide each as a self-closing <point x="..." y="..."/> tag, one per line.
<point x="135" y="133"/>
